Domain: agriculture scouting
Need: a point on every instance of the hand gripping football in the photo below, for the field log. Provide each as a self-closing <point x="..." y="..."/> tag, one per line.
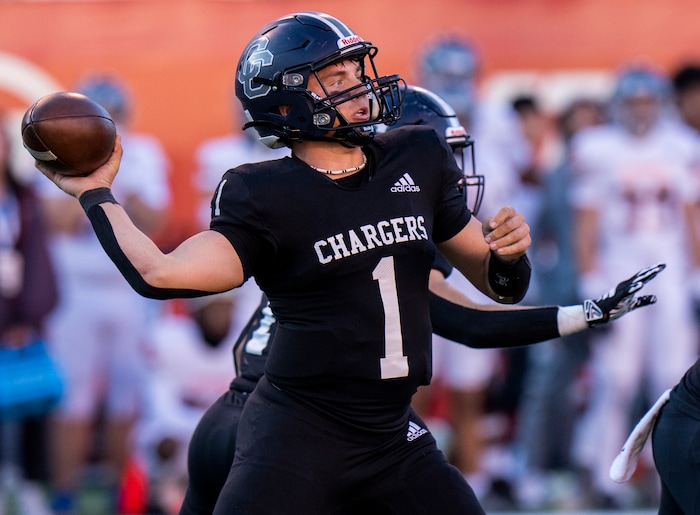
<point x="71" y="133"/>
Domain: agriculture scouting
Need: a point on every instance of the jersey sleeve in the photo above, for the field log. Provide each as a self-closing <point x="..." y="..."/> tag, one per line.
<point x="441" y="264"/>
<point x="234" y="215"/>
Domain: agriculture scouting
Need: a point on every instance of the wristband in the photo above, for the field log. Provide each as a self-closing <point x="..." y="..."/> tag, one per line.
<point x="509" y="280"/>
<point x="571" y="319"/>
<point x="92" y="198"/>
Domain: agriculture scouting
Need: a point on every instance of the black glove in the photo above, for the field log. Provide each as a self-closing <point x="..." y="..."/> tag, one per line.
<point x="621" y="299"/>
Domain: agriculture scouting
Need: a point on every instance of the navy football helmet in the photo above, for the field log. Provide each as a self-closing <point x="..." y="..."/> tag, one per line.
<point x="274" y="71"/>
<point x="423" y="107"/>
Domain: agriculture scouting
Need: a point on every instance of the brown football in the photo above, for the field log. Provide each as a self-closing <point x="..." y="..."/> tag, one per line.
<point x="70" y="132"/>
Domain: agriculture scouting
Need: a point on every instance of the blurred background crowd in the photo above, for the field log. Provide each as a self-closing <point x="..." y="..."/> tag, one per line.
<point x="595" y="139"/>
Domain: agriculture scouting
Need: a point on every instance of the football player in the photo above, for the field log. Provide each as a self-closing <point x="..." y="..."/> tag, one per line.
<point x="341" y="238"/>
<point x="634" y="198"/>
<point x="674" y="446"/>
<point x="213" y="443"/>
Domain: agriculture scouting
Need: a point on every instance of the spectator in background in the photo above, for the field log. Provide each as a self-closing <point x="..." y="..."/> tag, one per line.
<point x="633" y="198"/>
<point x="550" y="396"/>
<point x="450" y="67"/>
<point x="98" y="328"/>
<point x="544" y="139"/>
<point x="686" y="86"/>
<point x="28" y="293"/>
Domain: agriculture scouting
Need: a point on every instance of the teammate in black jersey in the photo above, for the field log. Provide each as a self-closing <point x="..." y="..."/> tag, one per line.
<point x="673" y="422"/>
<point x="341" y="238"/>
<point x="675" y="442"/>
<point x="213" y="443"/>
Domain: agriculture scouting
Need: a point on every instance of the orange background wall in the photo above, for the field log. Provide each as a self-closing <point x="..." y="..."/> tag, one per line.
<point x="179" y="56"/>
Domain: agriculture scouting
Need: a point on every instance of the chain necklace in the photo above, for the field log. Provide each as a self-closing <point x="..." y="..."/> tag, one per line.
<point x="346" y="170"/>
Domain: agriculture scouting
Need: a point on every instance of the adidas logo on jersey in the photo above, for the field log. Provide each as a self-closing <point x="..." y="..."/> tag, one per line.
<point x="405" y="183"/>
<point x="414" y="431"/>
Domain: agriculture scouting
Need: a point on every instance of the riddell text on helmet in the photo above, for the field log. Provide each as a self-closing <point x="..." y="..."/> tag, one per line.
<point x="351" y="40"/>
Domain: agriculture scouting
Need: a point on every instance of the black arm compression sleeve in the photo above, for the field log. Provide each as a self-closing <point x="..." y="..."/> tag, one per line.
<point x="492" y="329"/>
<point x="90" y="201"/>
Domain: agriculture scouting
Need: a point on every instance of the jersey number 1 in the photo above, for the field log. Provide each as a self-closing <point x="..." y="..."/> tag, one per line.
<point x="394" y="363"/>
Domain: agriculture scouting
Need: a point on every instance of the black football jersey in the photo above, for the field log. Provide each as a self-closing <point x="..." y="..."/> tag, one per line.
<point x="687" y="392"/>
<point x="345" y="269"/>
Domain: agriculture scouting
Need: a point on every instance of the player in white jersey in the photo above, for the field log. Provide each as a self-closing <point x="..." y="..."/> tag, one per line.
<point x="635" y="187"/>
<point x="450" y="67"/>
<point x="97" y="331"/>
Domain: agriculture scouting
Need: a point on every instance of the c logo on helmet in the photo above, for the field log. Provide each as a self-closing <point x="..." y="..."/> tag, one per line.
<point x="258" y="56"/>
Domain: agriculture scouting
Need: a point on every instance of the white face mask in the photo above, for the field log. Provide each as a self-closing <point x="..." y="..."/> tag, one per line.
<point x="639" y="114"/>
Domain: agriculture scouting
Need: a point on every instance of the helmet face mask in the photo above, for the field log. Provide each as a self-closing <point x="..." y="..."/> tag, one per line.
<point x="472" y="184"/>
<point x="639" y="99"/>
<point x="273" y="82"/>
<point x="423" y="107"/>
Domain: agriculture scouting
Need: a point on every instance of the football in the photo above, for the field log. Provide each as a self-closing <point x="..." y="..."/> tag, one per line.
<point x="70" y="132"/>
